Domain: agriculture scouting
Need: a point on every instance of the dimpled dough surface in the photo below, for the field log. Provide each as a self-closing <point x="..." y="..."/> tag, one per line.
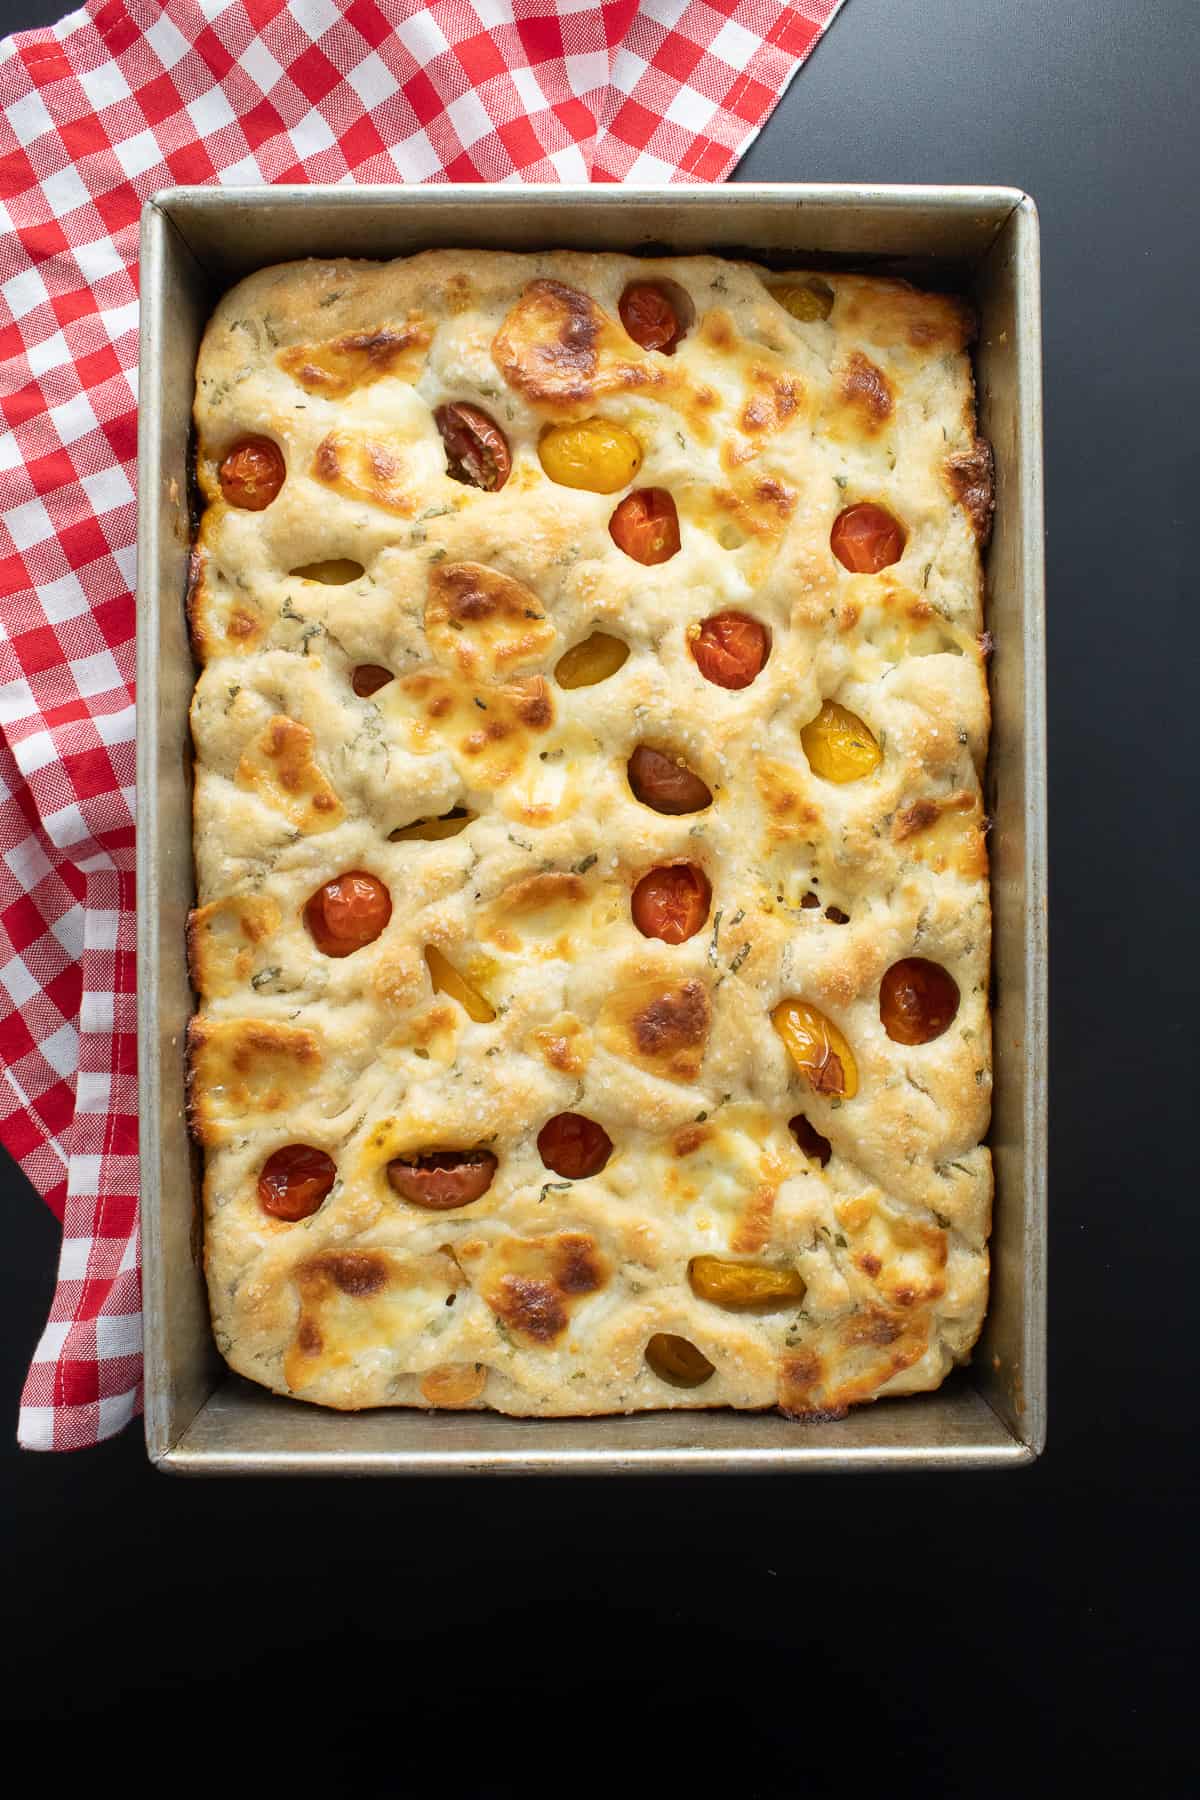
<point x="541" y="1296"/>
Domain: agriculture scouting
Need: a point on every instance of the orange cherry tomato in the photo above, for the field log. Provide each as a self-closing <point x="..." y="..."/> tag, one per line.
<point x="672" y="903"/>
<point x="573" y="1146"/>
<point x="646" y="526"/>
<point x="667" y="786"/>
<point x="348" y="912"/>
<point x="252" y="473"/>
<point x="917" y="1001"/>
<point x="476" y="449"/>
<point x="443" y="1179"/>
<point x="866" y="539"/>
<point x="368" y="678"/>
<point x="649" y="317"/>
<point x="293" y="1181"/>
<point x="817" y="1148"/>
<point x="731" y="649"/>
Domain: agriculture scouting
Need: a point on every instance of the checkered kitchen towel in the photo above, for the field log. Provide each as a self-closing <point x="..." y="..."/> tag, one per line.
<point x="122" y="98"/>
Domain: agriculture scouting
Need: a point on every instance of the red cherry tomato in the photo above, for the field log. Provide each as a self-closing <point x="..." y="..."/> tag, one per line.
<point x="672" y="903"/>
<point x="573" y="1146"/>
<point x="443" y="1179"/>
<point x="731" y="649"/>
<point x="646" y="526"/>
<point x="293" y="1181"/>
<point x="649" y="317"/>
<point x="664" y="784"/>
<point x="476" y="449"/>
<point x="368" y="678"/>
<point x="917" y="1000"/>
<point x="866" y="539"/>
<point x="348" y="912"/>
<point x="815" y="1147"/>
<point x="252" y="473"/>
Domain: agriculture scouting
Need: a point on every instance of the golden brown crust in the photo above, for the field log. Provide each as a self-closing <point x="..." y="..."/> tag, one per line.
<point x="493" y="804"/>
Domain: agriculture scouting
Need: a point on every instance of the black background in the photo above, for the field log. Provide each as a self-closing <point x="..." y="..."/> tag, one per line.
<point x="974" y="1633"/>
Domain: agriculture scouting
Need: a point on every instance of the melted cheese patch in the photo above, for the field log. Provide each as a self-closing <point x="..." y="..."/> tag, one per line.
<point x="482" y="623"/>
<point x="279" y="766"/>
<point x="362" y="1306"/>
<point x="657" y="1023"/>
<point x="534" y="1284"/>
<point x="244" y="1072"/>
<point x="558" y="346"/>
<point x="337" y="368"/>
<point x="225" y="940"/>
<point x="366" y="469"/>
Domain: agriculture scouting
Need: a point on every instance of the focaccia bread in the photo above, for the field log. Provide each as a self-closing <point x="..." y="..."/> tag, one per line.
<point x="591" y="719"/>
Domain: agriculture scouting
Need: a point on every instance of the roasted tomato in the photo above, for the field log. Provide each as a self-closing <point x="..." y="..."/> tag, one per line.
<point x="817" y="1048"/>
<point x="593" y="660"/>
<point x="737" y="1285"/>
<point x="368" y="678"/>
<point x="443" y="1179"/>
<point x="293" y="1181"/>
<point x="649" y="317"/>
<point x="730" y="649"/>
<point x="677" y="1361"/>
<point x="672" y="903"/>
<point x="866" y="538"/>
<point x="646" y="526"/>
<point x="252" y="473"/>
<point x="348" y="912"/>
<point x="839" y="747"/>
<point x="595" y="455"/>
<point x="476" y="449"/>
<point x="918" y="1000"/>
<point x="573" y="1146"/>
<point x="818" y="1149"/>
<point x="664" y="784"/>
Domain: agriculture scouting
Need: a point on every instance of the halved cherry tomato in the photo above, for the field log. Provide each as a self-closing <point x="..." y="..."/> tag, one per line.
<point x="348" y="912"/>
<point x="646" y="526"/>
<point x="817" y="1148"/>
<point x="730" y="649"/>
<point x="649" y="317"/>
<point x="666" y="785"/>
<point x="252" y="473"/>
<point x="573" y="1146"/>
<point x="817" y="1048"/>
<point x="476" y="449"/>
<point x="672" y="903"/>
<point x="866" y="538"/>
<point x="744" y="1285"/>
<point x="443" y="1179"/>
<point x="918" y="1000"/>
<point x="293" y="1181"/>
<point x="677" y="1361"/>
<point x="368" y="678"/>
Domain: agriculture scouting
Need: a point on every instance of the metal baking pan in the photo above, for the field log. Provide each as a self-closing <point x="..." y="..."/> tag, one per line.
<point x="982" y="241"/>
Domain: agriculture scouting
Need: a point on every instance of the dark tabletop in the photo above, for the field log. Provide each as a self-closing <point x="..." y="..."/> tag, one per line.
<point x="976" y="1633"/>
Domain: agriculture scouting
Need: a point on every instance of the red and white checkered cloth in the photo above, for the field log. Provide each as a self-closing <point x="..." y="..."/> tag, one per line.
<point x="118" y="100"/>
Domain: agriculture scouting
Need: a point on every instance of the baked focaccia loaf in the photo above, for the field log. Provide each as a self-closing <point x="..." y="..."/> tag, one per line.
<point x="592" y="936"/>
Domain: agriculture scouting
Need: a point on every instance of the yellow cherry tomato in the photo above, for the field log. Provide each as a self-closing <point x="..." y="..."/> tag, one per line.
<point x="735" y="1284"/>
<point x="817" y="1048"/>
<point x="446" y="979"/>
<point x="839" y="747"/>
<point x="595" y="454"/>
<point x="428" y="831"/>
<point x="595" y="659"/>
<point x="677" y="1361"/>
<point x="806" y="300"/>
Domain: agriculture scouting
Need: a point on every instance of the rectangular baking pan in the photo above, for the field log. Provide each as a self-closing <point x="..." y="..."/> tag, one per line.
<point x="982" y="241"/>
